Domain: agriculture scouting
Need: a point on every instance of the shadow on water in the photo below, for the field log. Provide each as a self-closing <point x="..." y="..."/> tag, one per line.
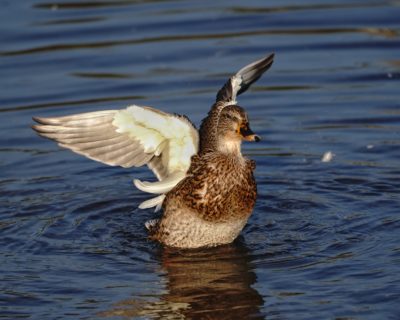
<point x="201" y="284"/>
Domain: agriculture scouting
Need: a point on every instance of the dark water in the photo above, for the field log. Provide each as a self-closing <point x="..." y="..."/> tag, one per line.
<point x="324" y="239"/>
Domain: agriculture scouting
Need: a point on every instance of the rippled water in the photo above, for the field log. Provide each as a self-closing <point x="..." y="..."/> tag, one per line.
<point x="323" y="241"/>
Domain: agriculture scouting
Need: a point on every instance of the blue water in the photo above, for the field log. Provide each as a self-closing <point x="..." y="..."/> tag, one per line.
<point x="323" y="241"/>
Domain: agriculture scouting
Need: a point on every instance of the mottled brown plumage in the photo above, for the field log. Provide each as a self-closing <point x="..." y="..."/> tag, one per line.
<point x="206" y="187"/>
<point x="211" y="205"/>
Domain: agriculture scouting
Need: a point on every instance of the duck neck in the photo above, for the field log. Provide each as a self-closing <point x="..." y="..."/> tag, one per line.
<point x="229" y="147"/>
<point x="209" y="129"/>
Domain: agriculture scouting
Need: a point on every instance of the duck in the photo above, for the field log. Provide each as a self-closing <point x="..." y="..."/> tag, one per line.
<point x="205" y="186"/>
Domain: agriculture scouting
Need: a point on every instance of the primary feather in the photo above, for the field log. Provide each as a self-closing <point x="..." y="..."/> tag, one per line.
<point x="243" y="79"/>
<point x="137" y="136"/>
<point x="134" y="136"/>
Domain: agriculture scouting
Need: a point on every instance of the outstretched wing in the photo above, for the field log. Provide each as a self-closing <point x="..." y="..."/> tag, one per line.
<point x="226" y="96"/>
<point x="134" y="136"/>
<point x="243" y="79"/>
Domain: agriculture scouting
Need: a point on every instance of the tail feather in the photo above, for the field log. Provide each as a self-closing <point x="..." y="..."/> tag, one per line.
<point x="151" y="224"/>
<point x="153" y="202"/>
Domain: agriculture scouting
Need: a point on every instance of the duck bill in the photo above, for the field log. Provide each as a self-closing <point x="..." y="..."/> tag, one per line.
<point x="249" y="135"/>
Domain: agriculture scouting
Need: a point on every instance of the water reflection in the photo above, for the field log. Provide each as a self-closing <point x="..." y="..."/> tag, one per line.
<point x="201" y="284"/>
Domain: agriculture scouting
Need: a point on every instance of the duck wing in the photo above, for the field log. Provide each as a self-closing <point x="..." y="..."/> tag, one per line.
<point x="226" y="96"/>
<point x="130" y="137"/>
<point x="243" y="79"/>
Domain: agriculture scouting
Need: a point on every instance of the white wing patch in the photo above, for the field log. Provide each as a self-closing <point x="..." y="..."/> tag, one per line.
<point x="160" y="133"/>
<point x="130" y="137"/>
<point x="126" y="122"/>
<point x="236" y="81"/>
<point x="173" y="137"/>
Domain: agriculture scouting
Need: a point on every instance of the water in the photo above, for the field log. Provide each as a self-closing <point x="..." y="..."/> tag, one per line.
<point x="323" y="241"/>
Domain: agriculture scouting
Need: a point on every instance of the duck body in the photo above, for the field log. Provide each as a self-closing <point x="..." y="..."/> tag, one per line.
<point x="211" y="205"/>
<point x="206" y="187"/>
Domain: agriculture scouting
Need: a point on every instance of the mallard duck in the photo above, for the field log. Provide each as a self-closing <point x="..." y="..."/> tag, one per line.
<point x="205" y="186"/>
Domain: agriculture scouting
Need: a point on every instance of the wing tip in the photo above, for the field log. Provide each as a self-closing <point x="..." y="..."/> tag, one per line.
<point x="44" y="121"/>
<point x="269" y="60"/>
<point x="36" y="119"/>
<point x="269" y="57"/>
<point x="263" y="64"/>
<point x="247" y="75"/>
<point x="39" y="129"/>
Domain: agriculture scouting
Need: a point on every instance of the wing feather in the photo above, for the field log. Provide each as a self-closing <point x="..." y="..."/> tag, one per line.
<point x="243" y="79"/>
<point x="76" y="138"/>
<point x="130" y="137"/>
<point x="156" y="165"/>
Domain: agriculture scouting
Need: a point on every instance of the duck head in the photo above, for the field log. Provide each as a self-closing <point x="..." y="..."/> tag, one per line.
<point x="233" y="128"/>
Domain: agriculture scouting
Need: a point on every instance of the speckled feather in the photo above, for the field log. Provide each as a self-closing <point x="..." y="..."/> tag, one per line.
<point x="218" y="187"/>
<point x="213" y="203"/>
<point x="217" y="197"/>
<point x="206" y="187"/>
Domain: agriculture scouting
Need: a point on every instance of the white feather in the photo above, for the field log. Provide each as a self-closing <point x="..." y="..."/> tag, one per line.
<point x="151" y="223"/>
<point x="153" y="202"/>
<point x="162" y="186"/>
<point x="160" y="132"/>
<point x="130" y="137"/>
<point x="172" y="137"/>
<point x="236" y="81"/>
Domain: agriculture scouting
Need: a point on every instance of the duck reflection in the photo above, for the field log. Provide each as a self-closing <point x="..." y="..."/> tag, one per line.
<point x="203" y="284"/>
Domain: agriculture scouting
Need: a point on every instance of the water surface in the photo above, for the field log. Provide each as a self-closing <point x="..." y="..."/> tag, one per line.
<point x="323" y="241"/>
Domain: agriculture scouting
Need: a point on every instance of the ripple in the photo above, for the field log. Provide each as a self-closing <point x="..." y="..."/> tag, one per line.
<point x="70" y="103"/>
<point x="70" y="21"/>
<point x="87" y="5"/>
<point x="323" y="238"/>
<point x="200" y="37"/>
